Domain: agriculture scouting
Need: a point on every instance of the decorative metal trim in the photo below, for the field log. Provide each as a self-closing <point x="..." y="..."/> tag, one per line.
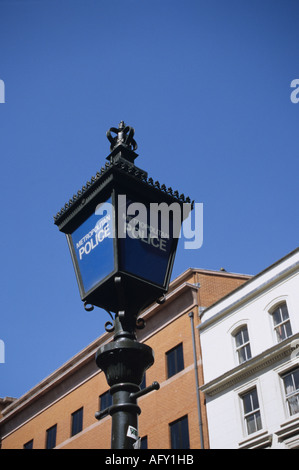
<point x="110" y="325"/>
<point x="140" y="323"/>
<point x="88" y="309"/>
<point x="124" y="136"/>
<point x="123" y="166"/>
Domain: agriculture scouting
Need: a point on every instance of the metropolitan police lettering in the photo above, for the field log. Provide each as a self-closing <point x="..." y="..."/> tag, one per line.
<point x="93" y="238"/>
<point x="139" y="230"/>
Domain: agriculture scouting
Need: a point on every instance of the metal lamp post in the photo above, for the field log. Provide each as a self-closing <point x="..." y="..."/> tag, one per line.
<point x="123" y="259"/>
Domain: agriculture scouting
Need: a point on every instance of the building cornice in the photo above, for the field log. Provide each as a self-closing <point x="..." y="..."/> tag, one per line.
<point x="209" y="272"/>
<point x="247" y="296"/>
<point x="243" y="371"/>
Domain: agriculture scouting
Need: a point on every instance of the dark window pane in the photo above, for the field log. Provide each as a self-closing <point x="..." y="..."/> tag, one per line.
<point x="296" y="378"/>
<point x="248" y="351"/>
<point x="288" y="329"/>
<point x="247" y="403"/>
<point x="250" y="424"/>
<point x="239" y="339"/>
<point x="258" y="421"/>
<point x="105" y="400"/>
<point x="143" y="383"/>
<point x="284" y="312"/>
<point x="143" y="444"/>
<point x="288" y="383"/>
<point x="255" y="402"/>
<point x="254" y="422"/>
<point x="179" y="433"/>
<point x="250" y="401"/>
<point x="175" y="360"/>
<point x="245" y="335"/>
<point x="29" y="445"/>
<point x="280" y="333"/>
<point x="277" y="316"/>
<point x="293" y="403"/>
<point x="51" y="437"/>
<point x="242" y="355"/>
<point x="291" y="384"/>
<point x="77" y="421"/>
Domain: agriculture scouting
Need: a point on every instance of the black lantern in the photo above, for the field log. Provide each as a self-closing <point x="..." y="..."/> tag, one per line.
<point x="122" y="229"/>
<point x="108" y="241"/>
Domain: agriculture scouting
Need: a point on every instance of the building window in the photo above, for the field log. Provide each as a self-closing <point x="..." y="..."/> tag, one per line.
<point x="28" y="445"/>
<point x="281" y="321"/>
<point x="175" y="360"/>
<point x="291" y="387"/>
<point x="105" y="400"/>
<point x="143" y="443"/>
<point x="51" y="437"/>
<point x="179" y="434"/>
<point x="251" y="410"/>
<point x="242" y="345"/>
<point x="143" y="383"/>
<point x="77" y="421"/>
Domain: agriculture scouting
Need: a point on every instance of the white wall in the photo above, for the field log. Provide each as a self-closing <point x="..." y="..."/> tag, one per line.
<point x="218" y="350"/>
<point x="217" y="341"/>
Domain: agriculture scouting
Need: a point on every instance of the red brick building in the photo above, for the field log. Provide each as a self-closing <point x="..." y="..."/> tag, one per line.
<point x="60" y="411"/>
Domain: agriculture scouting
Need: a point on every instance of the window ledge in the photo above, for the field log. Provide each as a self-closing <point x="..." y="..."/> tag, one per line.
<point x="288" y="428"/>
<point x="252" y="366"/>
<point x="256" y="441"/>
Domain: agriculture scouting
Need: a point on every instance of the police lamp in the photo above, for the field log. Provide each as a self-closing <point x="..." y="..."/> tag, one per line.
<point x="122" y="225"/>
<point x="123" y="229"/>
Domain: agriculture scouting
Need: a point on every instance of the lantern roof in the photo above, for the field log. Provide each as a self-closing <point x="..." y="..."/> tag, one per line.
<point x="121" y="161"/>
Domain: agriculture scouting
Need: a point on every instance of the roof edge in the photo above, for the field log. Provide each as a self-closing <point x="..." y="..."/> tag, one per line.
<point x="250" y="280"/>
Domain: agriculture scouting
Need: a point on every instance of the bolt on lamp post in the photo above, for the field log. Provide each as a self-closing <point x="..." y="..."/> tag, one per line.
<point x="122" y="230"/>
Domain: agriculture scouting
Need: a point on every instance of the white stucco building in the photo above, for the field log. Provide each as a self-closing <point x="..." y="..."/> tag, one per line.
<point x="250" y="350"/>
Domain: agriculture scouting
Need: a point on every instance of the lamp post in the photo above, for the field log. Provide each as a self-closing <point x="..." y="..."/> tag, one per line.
<point x="122" y="230"/>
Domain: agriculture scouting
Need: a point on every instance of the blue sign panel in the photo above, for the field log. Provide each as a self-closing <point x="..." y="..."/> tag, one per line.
<point x="93" y="246"/>
<point x="146" y="249"/>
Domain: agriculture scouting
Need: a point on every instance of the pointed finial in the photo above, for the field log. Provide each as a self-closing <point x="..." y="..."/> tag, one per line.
<point x="124" y="136"/>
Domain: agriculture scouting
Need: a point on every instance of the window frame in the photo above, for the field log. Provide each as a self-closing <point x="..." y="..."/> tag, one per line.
<point x="177" y="424"/>
<point x="253" y="412"/>
<point x="144" y="442"/>
<point x="286" y="395"/>
<point x="28" y="444"/>
<point x="177" y="354"/>
<point x="48" y="431"/>
<point x="105" y="400"/>
<point x="75" y="415"/>
<point x="244" y="346"/>
<point x="283" y="323"/>
<point x="142" y="385"/>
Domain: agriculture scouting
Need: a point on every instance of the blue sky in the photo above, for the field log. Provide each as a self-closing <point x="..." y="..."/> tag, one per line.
<point x="205" y="84"/>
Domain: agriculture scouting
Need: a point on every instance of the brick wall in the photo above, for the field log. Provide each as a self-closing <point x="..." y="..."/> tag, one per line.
<point x="175" y="399"/>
